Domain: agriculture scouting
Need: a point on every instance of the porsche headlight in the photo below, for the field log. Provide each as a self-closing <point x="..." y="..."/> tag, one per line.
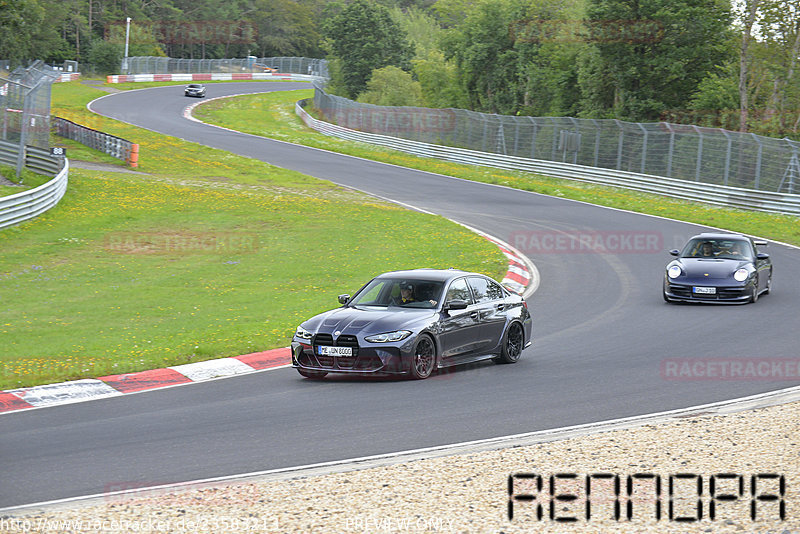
<point x="741" y="275"/>
<point x="674" y="271"/>
<point x="302" y="333"/>
<point x="388" y="337"/>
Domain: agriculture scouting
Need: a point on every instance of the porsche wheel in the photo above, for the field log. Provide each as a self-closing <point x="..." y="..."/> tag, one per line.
<point x="312" y="374"/>
<point x="754" y="295"/>
<point x="424" y="359"/>
<point x="512" y="344"/>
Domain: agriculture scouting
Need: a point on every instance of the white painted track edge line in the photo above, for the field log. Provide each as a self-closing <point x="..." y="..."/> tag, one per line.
<point x="761" y="400"/>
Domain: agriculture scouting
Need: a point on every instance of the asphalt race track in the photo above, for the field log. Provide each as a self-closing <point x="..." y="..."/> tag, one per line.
<point x="602" y="336"/>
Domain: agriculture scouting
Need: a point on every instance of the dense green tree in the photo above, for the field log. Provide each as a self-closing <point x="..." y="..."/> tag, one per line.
<point x="483" y="49"/>
<point x="105" y="56"/>
<point x="27" y="32"/>
<point x="392" y="86"/>
<point x="654" y="53"/>
<point x="363" y="37"/>
<point x="285" y="28"/>
<point x="438" y="79"/>
<point x="548" y="41"/>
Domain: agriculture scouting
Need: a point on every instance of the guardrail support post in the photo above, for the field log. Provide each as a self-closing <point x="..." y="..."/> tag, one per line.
<point x="699" y="164"/>
<point x="758" y="160"/>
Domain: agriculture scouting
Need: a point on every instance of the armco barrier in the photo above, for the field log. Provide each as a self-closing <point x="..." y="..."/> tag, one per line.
<point x="217" y="76"/>
<point x="20" y="207"/>
<point x="68" y="77"/>
<point x="109" y="144"/>
<point x="696" y="191"/>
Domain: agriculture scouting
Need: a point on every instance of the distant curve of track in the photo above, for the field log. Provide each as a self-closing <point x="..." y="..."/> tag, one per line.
<point x="602" y="333"/>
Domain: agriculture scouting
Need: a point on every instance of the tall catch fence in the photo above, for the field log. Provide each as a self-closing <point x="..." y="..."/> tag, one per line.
<point x="685" y="152"/>
<point x="166" y="65"/>
<point x="25" y="108"/>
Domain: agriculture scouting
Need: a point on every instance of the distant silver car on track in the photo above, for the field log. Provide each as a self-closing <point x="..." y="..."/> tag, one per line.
<point x="412" y="323"/>
<point x="195" y="89"/>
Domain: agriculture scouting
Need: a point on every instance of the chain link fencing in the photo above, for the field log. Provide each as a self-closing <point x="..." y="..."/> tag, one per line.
<point x="25" y="107"/>
<point x="166" y="65"/>
<point x="684" y="152"/>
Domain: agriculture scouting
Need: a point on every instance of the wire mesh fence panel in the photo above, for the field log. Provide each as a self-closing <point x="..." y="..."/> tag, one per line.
<point x="25" y="107"/>
<point x="686" y="152"/>
<point x="165" y="65"/>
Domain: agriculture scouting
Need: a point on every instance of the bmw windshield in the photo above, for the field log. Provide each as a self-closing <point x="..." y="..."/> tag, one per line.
<point x="399" y="292"/>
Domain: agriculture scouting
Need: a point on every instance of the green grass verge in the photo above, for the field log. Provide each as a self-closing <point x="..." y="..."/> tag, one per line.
<point x="208" y="255"/>
<point x="27" y="180"/>
<point x="272" y="115"/>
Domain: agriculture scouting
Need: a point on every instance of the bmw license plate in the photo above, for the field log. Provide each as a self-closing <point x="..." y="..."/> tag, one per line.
<point x="705" y="290"/>
<point x="324" y="350"/>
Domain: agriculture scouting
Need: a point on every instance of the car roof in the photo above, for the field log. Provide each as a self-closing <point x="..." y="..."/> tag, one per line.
<point x="427" y="274"/>
<point x="720" y="235"/>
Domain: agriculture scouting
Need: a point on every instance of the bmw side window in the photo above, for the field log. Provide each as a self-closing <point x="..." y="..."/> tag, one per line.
<point x="494" y="291"/>
<point x="459" y="291"/>
<point x="480" y="288"/>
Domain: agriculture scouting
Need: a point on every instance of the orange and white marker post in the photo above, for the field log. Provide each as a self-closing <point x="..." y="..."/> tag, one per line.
<point x="133" y="159"/>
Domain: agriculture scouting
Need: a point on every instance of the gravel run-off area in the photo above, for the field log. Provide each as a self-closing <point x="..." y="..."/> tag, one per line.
<point x="470" y="493"/>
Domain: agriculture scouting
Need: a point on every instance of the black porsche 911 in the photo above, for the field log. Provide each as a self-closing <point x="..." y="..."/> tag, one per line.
<point x="413" y="322"/>
<point x="718" y="267"/>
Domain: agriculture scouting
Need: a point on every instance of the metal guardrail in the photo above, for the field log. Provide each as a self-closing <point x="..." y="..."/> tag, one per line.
<point x="680" y="151"/>
<point x="696" y="191"/>
<point x="110" y="144"/>
<point x="26" y="205"/>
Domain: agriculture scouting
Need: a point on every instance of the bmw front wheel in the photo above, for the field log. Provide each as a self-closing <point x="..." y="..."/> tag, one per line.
<point x="424" y="358"/>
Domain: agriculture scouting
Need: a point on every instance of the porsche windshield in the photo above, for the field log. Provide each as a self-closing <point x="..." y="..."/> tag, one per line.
<point x="724" y="249"/>
<point x="400" y="292"/>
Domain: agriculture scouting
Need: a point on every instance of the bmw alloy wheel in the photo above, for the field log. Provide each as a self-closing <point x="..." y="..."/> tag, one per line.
<point x="424" y="359"/>
<point x="512" y="345"/>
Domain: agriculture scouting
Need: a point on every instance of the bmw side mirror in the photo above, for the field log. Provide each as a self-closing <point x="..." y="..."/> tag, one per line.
<point x="762" y="256"/>
<point x="456" y="304"/>
<point x="674" y="252"/>
<point x="343" y="299"/>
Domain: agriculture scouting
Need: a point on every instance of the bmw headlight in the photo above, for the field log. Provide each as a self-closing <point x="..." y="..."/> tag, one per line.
<point x="674" y="271"/>
<point x="302" y="333"/>
<point x="388" y="337"/>
<point x="741" y="275"/>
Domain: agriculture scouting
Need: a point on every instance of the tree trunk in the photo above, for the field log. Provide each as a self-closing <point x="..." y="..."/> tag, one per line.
<point x="751" y="5"/>
<point x="789" y="75"/>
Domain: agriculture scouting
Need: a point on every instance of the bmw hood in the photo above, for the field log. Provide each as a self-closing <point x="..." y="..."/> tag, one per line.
<point x="710" y="268"/>
<point x="366" y="320"/>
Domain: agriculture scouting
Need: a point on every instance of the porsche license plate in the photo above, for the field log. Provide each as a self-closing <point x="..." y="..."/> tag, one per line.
<point x="324" y="350"/>
<point x="705" y="290"/>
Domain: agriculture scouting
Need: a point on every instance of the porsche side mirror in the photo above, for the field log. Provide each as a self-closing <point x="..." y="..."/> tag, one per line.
<point x="674" y="252"/>
<point x="762" y="256"/>
<point x="456" y="304"/>
<point x="343" y="299"/>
